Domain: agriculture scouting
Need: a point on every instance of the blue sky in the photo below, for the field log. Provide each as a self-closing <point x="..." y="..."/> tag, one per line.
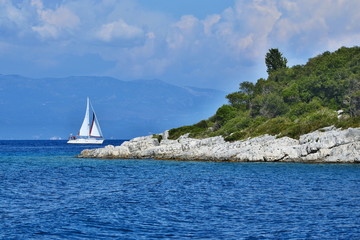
<point x="202" y="43"/>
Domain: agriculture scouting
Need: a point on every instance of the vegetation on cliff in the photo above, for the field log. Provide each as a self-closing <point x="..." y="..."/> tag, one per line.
<point x="291" y="101"/>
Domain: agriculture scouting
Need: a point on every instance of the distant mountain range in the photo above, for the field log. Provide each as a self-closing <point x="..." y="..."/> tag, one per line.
<point x="54" y="107"/>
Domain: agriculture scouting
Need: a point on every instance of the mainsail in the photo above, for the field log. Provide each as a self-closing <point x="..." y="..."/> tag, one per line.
<point x="85" y="127"/>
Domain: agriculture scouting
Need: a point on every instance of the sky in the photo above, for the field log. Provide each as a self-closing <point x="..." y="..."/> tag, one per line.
<point x="202" y="43"/>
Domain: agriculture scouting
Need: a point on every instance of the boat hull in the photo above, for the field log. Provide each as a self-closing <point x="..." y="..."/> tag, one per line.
<point x="85" y="141"/>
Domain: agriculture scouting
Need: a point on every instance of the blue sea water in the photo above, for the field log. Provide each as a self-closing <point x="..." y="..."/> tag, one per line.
<point x="47" y="193"/>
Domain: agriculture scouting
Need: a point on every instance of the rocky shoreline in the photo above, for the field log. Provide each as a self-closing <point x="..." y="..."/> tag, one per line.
<point x="327" y="145"/>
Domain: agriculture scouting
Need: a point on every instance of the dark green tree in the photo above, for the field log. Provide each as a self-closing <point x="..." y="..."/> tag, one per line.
<point x="274" y="60"/>
<point x="355" y="104"/>
<point x="273" y="106"/>
<point x="247" y="87"/>
<point x="239" y="100"/>
<point x="225" y="113"/>
<point x="353" y="97"/>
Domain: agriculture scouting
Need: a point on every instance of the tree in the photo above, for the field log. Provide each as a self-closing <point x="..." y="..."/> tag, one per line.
<point x="247" y="87"/>
<point x="355" y="104"/>
<point x="353" y="97"/>
<point x="273" y="106"/>
<point x="239" y="100"/>
<point x="274" y="60"/>
<point x="225" y="113"/>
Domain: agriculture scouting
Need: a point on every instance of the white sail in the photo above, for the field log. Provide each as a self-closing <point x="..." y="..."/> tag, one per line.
<point x="85" y="127"/>
<point x="95" y="130"/>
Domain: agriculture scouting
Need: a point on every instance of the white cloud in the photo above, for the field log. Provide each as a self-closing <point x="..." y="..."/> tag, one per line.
<point x="11" y="16"/>
<point x="175" y="40"/>
<point x="37" y="3"/>
<point x="54" y="22"/>
<point x="316" y="23"/>
<point x="149" y="44"/>
<point x="184" y="33"/>
<point x="187" y="23"/>
<point x="151" y="35"/>
<point x="348" y="40"/>
<point x="245" y="42"/>
<point x="209" y="22"/>
<point x="118" y="30"/>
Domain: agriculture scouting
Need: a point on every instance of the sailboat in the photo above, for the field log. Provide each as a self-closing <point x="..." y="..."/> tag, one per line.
<point x="90" y="132"/>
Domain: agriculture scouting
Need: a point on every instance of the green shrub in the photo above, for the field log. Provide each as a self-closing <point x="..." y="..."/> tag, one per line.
<point x="311" y="122"/>
<point x="274" y="126"/>
<point x="175" y="133"/>
<point x="233" y="125"/>
<point x="302" y="108"/>
<point x="158" y="137"/>
<point x="291" y="93"/>
<point x="255" y="122"/>
<point x="348" y="122"/>
<point x="225" y="113"/>
<point x="273" y="106"/>
<point x="355" y="104"/>
<point x="238" y="135"/>
<point x="194" y="131"/>
<point x="202" y="124"/>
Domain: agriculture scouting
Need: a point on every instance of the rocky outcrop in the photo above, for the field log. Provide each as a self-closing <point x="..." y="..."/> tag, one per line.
<point x="326" y="145"/>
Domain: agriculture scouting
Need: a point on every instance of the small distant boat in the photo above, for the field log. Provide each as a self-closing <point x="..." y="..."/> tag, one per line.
<point x="90" y="132"/>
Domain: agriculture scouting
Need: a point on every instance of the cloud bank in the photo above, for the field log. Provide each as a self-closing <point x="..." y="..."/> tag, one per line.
<point x="124" y="39"/>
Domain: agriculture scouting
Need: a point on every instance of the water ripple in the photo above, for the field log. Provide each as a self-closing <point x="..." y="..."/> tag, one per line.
<point x="50" y="195"/>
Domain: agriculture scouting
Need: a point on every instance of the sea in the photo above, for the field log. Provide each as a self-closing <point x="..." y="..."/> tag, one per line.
<point x="48" y="193"/>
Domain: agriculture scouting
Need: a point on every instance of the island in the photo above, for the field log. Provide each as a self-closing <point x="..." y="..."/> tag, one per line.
<point x="305" y="113"/>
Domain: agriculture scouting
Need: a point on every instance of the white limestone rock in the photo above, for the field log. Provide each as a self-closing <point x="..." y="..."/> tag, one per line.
<point x="345" y="153"/>
<point x="327" y="145"/>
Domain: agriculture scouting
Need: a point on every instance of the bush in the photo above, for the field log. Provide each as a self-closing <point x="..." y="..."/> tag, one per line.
<point x="158" y="137"/>
<point x="274" y="126"/>
<point x="233" y="125"/>
<point x="202" y="124"/>
<point x="348" y="122"/>
<point x="225" y="113"/>
<point x="355" y="104"/>
<point x="238" y="135"/>
<point x="302" y="108"/>
<point x="273" y="106"/>
<point x="175" y="133"/>
<point x="311" y="122"/>
<point x="194" y="131"/>
<point x="291" y="94"/>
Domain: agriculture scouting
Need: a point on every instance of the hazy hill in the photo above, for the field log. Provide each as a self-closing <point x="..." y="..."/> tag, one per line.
<point x="43" y="108"/>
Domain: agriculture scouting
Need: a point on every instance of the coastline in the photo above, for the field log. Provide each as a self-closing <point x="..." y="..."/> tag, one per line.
<point x="327" y="145"/>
